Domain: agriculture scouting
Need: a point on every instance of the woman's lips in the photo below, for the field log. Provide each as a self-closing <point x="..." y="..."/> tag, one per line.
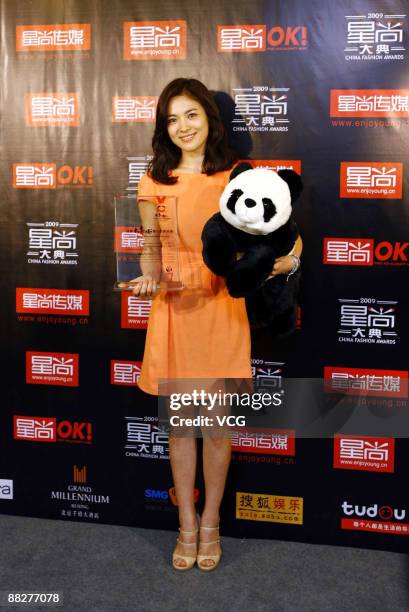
<point x="187" y="138"/>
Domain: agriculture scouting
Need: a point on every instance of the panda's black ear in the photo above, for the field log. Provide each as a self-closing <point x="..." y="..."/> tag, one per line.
<point x="294" y="182"/>
<point x="239" y="169"/>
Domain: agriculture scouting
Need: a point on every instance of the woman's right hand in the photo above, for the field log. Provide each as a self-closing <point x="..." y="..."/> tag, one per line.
<point x="145" y="287"/>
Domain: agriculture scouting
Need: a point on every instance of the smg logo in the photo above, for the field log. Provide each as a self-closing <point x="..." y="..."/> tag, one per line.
<point x="156" y="494"/>
<point x="164" y="496"/>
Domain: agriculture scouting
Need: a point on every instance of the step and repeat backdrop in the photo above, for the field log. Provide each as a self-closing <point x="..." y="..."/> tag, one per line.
<point x="319" y="87"/>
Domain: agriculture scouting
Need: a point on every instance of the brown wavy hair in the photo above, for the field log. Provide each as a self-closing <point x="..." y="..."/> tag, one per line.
<point x="166" y="155"/>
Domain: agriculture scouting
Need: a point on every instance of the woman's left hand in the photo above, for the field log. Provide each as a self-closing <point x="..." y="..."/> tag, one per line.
<point x="283" y="265"/>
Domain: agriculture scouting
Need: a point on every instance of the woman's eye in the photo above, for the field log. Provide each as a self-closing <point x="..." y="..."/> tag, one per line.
<point x="191" y="115"/>
<point x="171" y="121"/>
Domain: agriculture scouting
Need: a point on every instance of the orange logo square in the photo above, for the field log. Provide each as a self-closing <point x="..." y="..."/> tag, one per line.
<point x="48" y="109"/>
<point x="369" y="103"/>
<point x="37" y="176"/>
<point x="128" y="239"/>
<point x="367" y="382"/>
<point x="140" y="109"/>
<point x="74" y="302"/>
<point x="155" y="40"/>
<point x="371" y="180"/>
<point x="276" y="164"/>
<point x="125" y="372"/>
<point x="349" y="251"/>
<point x="263" y="440"/>
<point x="364" y="453"/>
<point x="44" y="368"/>
<point x="134" y="311"/>
<point x="56" y="37"/>
<point x="35" y="428"/>
<point x="244" y="38"/>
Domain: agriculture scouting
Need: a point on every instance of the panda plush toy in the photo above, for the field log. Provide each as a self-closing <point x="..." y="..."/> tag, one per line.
<point x="241" y="243"/>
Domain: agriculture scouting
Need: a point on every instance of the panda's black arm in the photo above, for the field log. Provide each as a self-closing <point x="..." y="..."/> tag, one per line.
<point x="219" y="249"/>
<point x="284" y="238"/>
<point x="251" y="270"/>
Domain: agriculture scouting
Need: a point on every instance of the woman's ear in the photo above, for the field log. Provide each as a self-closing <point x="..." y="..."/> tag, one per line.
<point x="239" y="169"/>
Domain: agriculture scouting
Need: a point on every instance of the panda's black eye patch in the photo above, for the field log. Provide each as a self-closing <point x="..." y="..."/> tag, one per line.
<point x="269" y="210"/>
<point x="231" y="202"/>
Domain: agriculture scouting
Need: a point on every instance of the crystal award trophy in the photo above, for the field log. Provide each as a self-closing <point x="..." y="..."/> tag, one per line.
<point x="146" y="241"/>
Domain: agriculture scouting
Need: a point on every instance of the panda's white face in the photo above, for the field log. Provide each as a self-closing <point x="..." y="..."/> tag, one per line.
<point x="256" y="201"/>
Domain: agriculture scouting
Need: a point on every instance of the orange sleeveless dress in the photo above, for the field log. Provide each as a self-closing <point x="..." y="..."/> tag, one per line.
<point x="200" y="331"/>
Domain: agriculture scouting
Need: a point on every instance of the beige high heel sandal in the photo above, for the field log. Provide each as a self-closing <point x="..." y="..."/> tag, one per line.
<point x="189" y="561"/>
<point x="214" y="558"/>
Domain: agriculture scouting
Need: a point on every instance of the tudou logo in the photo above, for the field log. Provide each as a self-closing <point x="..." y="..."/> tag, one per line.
<point x="55" y="37"/>
<point x="384" y="513"/>
<point x="48" y="176"/>
<point x="52" y="368"/>
<point x="47" y="429"/>
<point x="253" y="38"/>
<point x="155" y="40"/>
<point x="125" y="372"/>
<point x="371" y="180"/>
<point x="377" y="519"/>
<point x="364" y="252"/>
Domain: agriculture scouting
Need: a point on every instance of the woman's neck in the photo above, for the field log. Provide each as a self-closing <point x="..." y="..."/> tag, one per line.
<point x="191" y="163"/>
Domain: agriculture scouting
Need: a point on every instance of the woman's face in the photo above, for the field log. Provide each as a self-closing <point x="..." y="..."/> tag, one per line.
<point x="188" y="126"/>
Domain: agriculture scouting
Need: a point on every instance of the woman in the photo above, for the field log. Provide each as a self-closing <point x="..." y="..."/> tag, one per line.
<point x="199" y="332"/>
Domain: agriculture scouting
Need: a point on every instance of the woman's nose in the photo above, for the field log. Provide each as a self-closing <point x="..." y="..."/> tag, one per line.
<point x="182" y="124"/>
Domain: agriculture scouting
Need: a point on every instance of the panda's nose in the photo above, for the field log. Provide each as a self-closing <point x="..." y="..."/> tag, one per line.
<point x="250" y="203"/>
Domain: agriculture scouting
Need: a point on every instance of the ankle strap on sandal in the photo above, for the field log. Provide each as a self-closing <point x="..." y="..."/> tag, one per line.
<point x="212" y="542"/>
<point x="183" y="531"/>
<point x="203" y="527"/>
<point x="186" y="543"/>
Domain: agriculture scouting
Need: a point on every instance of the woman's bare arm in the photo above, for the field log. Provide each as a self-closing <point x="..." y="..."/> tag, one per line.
<point x="283" y="265"/>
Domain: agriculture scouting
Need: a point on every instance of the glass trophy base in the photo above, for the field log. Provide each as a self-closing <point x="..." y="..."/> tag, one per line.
<point x="162" y="286"/>
<point x="146" y="241"/>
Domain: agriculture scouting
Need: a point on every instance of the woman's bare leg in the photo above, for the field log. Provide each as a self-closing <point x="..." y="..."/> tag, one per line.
<point x="216" y="460"/>
<point x="183" y="459"/>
